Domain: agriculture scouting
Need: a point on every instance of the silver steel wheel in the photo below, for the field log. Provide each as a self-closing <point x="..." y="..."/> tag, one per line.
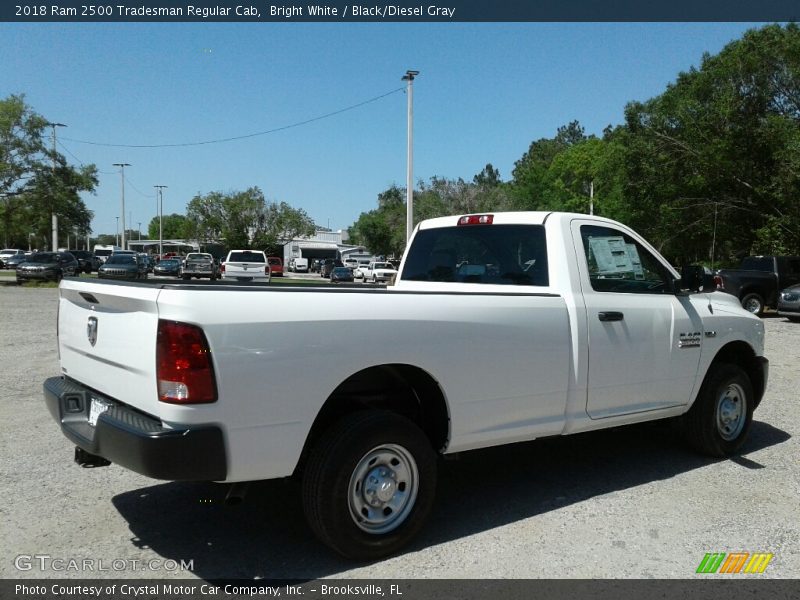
<point x="731" y="412"/>
<point x="752" y="304"/>
<point x="383" y="489"/>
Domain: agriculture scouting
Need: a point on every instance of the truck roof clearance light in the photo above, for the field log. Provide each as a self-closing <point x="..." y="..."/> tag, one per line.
<point x="476" y="220"/>
<point x="183" y="365"/>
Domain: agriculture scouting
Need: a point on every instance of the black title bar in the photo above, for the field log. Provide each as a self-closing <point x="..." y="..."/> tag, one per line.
<point x="398" y="11"/>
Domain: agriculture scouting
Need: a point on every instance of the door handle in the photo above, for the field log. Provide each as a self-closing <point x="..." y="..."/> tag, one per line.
<point x="610" y="316"/>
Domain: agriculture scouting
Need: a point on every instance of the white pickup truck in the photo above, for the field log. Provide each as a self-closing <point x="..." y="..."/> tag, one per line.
<point x="379" y="272"/>
<point x="499" y="328"/>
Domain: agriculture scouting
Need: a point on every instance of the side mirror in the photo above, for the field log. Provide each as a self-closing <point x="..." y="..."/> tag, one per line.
<point x="694" y="279"/>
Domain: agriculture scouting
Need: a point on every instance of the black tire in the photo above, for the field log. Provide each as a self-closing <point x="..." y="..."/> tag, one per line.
<point x="718" y="422"/>
<point x="753" y="303"/>
<point x="794" y="319"/>
<point x="343" y="470"/>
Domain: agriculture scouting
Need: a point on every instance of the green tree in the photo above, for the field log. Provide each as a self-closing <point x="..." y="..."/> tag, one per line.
<point x="36" y="181"/>
<point x="175" y="227"/>
<point x="530" y="186"/>
<point x="717" y="151"/>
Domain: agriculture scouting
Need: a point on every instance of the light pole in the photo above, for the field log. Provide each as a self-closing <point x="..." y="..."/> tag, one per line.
<point x="140" y="231"/>
<point x="53" y="216"/>
<point x="122" y="173"/>
<point x="160" y="207"/>
<point x="117" y="230"/>
<point x="409" y="79"/>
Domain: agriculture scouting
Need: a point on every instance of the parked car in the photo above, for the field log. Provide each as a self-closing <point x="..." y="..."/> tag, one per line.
<point x="123" y="266"/>
<point x="329" y="265"/>
<point x="759" y="278"/>
<point x="47" y="266"/>
<point x="246" y="265"/>
<point x="379" y="272"/>
<point x="169" y="267"/>
<point x="87" y="261"/>
<point x="275" y="266"/>
<point x="12" y="262"/>
<point x="363" y="265"/>
<point x="789" y="303"/>
<point x="299" y="265"/>
<point x="200" y="264"/>
<point x="341" y="275"/>
<point x="8" y="253"/>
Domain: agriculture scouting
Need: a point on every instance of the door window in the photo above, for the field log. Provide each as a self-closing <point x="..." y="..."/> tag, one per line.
<point x="618" y="263"/>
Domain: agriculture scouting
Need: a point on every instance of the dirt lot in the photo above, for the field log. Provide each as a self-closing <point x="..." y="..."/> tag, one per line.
<point x="629" y="503"/>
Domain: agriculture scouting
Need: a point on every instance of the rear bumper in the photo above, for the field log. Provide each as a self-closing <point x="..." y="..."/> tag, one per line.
<point x="134" y="440"/>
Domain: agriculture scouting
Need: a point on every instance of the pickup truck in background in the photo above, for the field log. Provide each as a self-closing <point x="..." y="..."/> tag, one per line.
<point x="246" y="265"/>
<point x="200" y="264"/>
<point x="759" y="279"/>
<point x="379" y="272"/>
<point x="500" y="328"/>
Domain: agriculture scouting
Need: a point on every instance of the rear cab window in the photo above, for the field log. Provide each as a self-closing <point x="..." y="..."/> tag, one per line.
<point x="247" y="257"/>
<point x="490" y="254"/>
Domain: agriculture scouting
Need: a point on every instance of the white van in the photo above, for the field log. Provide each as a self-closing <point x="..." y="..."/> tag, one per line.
<point x="300" y="265"/>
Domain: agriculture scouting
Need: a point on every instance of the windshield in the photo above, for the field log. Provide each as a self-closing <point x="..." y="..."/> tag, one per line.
<point x="121" y="259"/>
<point x="103" y="252"/>
<point x="43" y="257"/>
<point x="168" y="262"/>
<point x="382" y="266"/>
<point x="199" y="257"/>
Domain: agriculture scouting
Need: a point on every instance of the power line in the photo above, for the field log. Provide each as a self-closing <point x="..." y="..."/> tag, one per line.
<point x="242" y="137"/>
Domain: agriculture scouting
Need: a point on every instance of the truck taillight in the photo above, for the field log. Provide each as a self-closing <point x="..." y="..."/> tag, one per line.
<point x="222" y="268"/>
<point x="476" y="220"/>
<point x="718" y="282"/>
<point x="183" y="365"/>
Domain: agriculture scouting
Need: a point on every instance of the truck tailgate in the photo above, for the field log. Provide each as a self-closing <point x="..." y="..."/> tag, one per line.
<point x="107" y="339"/>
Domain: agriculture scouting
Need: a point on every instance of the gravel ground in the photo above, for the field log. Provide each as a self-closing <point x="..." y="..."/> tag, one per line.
<point x="627" y="503"/>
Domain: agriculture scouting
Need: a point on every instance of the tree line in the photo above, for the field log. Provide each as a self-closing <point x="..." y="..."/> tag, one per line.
<point x="708" y="171"/>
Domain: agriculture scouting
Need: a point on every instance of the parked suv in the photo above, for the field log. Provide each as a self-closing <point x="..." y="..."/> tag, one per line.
<point x="87" y="261"/>
<point x="329" y="265"/>
<point x="48" y="266"/>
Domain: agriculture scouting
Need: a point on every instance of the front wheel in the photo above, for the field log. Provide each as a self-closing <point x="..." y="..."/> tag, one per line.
<point x="753" y="303"/>
<point x="369" y="484"/>
<point x="718" y="422"/>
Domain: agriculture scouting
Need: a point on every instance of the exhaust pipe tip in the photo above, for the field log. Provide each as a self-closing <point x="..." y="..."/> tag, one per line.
<point x="236" y="493"/>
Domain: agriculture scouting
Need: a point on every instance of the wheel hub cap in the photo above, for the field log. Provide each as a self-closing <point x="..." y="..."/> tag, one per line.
<point x="383" y="489"/>
<point x="731" y="412"/>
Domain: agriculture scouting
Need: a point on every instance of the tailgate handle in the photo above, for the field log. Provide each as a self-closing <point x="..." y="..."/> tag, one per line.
<point x="610" y="316"/>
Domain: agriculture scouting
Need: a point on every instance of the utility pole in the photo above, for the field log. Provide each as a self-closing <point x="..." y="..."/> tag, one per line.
<point x="591" y="197"/>
<point x="117" y="231"/>
<point x="122" y="173"/>
<point x="409" y="79"/>
<point x="53" y="215"/>
<point x="140" y="231"/>
<point x="160" y="207"/>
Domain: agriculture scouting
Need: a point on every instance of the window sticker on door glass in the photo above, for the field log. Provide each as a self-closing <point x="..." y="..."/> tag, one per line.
<point x="636" y="262"/>
<point x="612" y="255"/>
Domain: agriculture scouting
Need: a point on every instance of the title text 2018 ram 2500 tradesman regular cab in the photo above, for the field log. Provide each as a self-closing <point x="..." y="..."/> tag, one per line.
<point x="499" y="328"/>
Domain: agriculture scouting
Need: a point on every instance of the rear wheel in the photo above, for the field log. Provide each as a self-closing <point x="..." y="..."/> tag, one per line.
<point x="753" y="303"/>
<point x="369" y="484"/>
<point x="720" y="418"/>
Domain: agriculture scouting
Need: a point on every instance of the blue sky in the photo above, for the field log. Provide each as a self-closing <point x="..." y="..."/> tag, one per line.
<point x="485" y="92"/>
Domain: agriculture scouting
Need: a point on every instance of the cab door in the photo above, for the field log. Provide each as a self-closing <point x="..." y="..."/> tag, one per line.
<point x="644" y="340"/>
